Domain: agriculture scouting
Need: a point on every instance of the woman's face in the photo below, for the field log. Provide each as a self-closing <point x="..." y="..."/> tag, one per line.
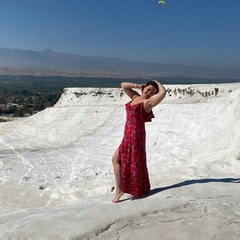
<point x="149" y="91"/>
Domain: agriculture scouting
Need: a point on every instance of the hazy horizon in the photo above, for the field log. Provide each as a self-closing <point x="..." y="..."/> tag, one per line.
<point x="49" y="62"/>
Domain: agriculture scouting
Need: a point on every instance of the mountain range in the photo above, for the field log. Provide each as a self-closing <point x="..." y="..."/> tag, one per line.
<point x="48" y="62"/>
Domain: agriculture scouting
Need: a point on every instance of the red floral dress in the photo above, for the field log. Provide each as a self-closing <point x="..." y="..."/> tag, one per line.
<point x="132" y="151"/>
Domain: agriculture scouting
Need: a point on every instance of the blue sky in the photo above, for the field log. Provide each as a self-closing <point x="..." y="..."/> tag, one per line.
<point x="187" y="31"/>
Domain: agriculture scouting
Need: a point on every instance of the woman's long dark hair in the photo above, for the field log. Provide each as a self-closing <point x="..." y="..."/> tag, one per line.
<point x="153" y="83"/>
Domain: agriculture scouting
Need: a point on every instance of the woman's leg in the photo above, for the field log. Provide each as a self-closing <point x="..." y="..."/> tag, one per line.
<point x="117" y="174"/>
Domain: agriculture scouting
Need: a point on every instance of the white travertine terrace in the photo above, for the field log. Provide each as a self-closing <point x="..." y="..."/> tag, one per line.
<point x="56" y="177"/>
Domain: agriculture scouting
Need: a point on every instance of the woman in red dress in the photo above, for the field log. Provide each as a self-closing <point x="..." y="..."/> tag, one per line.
<point x="129" y="160"/>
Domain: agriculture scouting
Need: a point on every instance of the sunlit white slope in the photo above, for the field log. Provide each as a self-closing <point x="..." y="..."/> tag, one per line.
<point x="64" y="152"/>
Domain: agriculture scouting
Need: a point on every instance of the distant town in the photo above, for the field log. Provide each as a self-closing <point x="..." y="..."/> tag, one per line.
<point x="25" y="95"/>
<point x="26" y="103"/>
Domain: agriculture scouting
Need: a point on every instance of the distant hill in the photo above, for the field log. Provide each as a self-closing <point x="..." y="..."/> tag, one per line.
<point x="48" y="62"/>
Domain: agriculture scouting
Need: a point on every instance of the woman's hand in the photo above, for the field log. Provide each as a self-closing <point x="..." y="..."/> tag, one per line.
<point x="141" y="86"/>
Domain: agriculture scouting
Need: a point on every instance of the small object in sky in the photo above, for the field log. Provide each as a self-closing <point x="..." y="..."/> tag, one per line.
<point x="163" y="3"/>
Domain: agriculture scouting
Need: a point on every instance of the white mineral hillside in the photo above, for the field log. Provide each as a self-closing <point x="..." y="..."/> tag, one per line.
<point x="56" y="177"/>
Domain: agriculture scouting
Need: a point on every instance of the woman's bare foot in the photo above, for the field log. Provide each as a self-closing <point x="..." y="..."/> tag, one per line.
<point x="117" y="196"/>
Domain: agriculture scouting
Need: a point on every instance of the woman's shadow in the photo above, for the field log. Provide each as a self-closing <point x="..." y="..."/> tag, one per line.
<point x="194" y="181"/>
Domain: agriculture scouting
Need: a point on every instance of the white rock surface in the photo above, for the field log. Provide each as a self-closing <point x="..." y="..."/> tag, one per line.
<point x="56" y="176"/>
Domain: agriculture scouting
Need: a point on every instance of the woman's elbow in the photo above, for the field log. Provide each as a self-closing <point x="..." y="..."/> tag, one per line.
<point x="122" y="84"/>
<point x="163" y="93"/>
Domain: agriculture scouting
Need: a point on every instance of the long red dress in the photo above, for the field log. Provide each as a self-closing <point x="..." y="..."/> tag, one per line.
<point x="132" y="151"/>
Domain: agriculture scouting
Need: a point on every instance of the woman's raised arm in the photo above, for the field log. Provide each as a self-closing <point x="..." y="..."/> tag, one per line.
<point x="156" y="99"/>
<point x="128" y="88"/>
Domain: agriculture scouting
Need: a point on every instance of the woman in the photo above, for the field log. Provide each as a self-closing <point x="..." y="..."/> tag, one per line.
<point x="129" y="160"/>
